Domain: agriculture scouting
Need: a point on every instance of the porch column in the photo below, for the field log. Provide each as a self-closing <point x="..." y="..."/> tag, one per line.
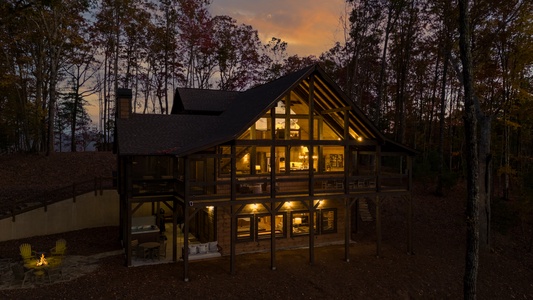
<point x="232" y="210"/>
<point x="174" y="230"/>
<point x="273" y="212"/>
<point x="410" y="206"/>
<point x="348" y="203"/>
<point x="185" y="252"/>
<point x="378" y="200"/>
<point x="311" y="231"/>
<point x="378" y="226"/>
<point x="273" y="188"/>
<point x="126" y="187"/>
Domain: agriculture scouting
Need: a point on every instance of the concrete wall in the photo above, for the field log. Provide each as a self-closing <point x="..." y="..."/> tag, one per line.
<point x="87" y="212"/>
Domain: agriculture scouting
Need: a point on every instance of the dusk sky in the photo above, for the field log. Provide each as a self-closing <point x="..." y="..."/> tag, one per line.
<point x="310" y="27"/>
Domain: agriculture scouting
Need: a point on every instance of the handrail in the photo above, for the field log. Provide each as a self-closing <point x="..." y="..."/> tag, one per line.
<point x="46" y="198"/>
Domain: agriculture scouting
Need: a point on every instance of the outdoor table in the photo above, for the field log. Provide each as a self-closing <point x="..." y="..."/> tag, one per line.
<point x="152" y="247"/>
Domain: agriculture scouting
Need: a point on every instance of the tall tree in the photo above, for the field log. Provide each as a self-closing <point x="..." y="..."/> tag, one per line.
<point x="237" y="53"/>
<point x="471" y="140"/>
<point x="394" y="9"/>
<point x="197" y="46"/>
<point x="59" y="22"/>
<point x="80" y="69"/>
<point x="362" y="47"/>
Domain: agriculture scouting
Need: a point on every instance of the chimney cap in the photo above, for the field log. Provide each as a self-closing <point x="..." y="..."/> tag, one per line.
<point x="124" y="93"/>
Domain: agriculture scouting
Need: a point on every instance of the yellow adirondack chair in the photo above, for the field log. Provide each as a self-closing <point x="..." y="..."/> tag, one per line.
<point x="60" y="248"/>
<point x="26" y="252"/>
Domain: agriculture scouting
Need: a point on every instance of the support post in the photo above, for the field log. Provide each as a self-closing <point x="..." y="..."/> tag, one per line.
<point x="186" y="213"/>
<point x="232" y="212"/>
<point x="378" y="226"/>
<point x="272" y="236"/>
<point x="410" y="206"/>
<point x="311" y="232"/>
<point x="348" y="205"/>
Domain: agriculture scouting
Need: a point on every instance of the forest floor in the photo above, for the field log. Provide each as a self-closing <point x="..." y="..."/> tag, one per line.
<point x="434" y="271"/>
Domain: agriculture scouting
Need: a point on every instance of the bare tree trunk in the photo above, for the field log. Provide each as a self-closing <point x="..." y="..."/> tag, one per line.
<point x="440" y="166"/>
<point x="52" y="102"/>
<point x="470" y="123"/>
<point x="379" y="98"/>
<point x="104" y="115"/>
<point x="485" y="181"/>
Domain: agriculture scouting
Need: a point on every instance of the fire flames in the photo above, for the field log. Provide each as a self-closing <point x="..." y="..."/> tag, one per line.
<point x="42" y="261"/>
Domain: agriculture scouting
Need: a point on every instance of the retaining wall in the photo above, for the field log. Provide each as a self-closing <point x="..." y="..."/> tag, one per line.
<point x="87" y="212"/>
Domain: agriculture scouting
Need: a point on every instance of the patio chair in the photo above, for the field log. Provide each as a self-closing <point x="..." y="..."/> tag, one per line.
<point x="60" y="248"/>
<point x="54" y="273"/>
<point x="26" y="252"/>
<point x="20" y="275"/>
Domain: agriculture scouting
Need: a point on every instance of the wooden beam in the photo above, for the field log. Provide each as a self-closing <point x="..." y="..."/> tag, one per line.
<point x="272" y="237"/>
<point x="347" y="228"/>
<point x="185" y="252"/>
<point x="410" y="206"/>
<point x="410" y="225"/>
<point x="378" y="226"/>
<point x="334" y="110"/>
<point x="311" y="232"/>
<point x="233" y="221"/>
<point x="175" y="231"/>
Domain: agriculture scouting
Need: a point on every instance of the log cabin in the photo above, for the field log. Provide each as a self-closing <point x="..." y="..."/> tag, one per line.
<point x="282" y="165"/>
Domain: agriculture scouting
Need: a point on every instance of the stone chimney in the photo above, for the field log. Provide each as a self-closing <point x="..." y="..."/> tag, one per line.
<point x="123" y="103"/>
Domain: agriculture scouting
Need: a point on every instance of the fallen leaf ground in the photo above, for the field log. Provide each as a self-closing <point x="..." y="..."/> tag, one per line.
<point x="435" y="271"/>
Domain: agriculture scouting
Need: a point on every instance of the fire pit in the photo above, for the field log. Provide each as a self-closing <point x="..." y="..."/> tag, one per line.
<point x="42" y="261"/>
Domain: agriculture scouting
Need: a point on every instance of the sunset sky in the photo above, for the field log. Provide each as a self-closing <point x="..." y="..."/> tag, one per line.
<point x="310" y="27"/>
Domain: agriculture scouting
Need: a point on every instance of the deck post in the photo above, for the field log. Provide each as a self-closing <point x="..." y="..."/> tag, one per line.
<point x="311" y="232"/>
<point x="378" y="200"/>
<point x="185" y="252"/>
<point x="273" y="212"/>
<point x="347" y="225"/>
<point x="232" y="208"/>
<point x="378" y="226"/>
<point x="410" y="206"/>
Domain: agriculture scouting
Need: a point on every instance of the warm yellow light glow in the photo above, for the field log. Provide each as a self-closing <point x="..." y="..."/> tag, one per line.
<point x="360" y="138"/>
<point x="297" y="221"/>
<point x="42" y="261"/>
<point x="254" y="206"/>
<point x="210" y="207"/>
<point x="289" y="204"/>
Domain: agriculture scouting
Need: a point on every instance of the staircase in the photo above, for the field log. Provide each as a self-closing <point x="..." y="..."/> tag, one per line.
<point x="364" y="212"/>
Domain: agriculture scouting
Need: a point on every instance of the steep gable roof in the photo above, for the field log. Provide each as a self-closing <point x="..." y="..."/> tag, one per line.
<point x="200" y="101"/>
<point x="207" y="118"/>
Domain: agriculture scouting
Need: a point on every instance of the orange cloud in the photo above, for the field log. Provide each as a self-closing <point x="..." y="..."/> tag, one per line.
<point x="310" y="27"/>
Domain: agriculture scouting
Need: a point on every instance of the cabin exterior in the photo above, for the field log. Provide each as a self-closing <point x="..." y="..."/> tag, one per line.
<point x="281" y="165"/>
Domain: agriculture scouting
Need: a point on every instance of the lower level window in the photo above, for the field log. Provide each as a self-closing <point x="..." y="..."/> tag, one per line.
<point x="300" y="222"/>
<point x="244" y="227"/>
<point x="264" y="225"/>
<point x="328" y="220"/>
